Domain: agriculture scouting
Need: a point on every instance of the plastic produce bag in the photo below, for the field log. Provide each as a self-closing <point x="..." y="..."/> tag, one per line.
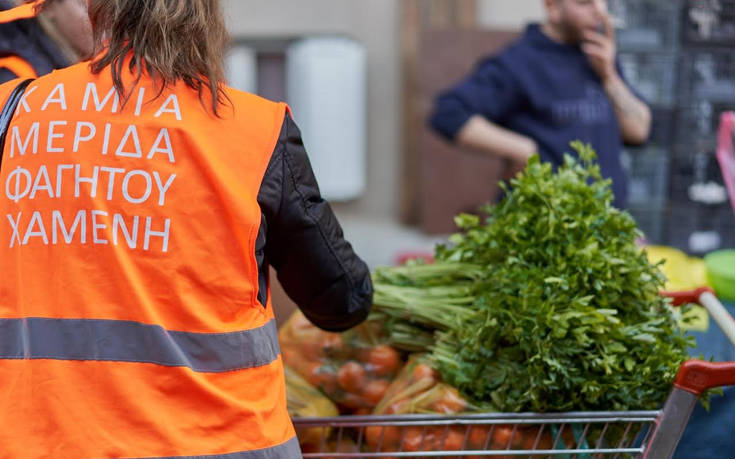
<point x="305" y="401"/>
<point x="354" y="369"/>
<point x="419" y="390"/>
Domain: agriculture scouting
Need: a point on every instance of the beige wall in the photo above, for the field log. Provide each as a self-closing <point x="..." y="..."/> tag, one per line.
<point x="374" y="23"/>
<point x="506" y="14"/>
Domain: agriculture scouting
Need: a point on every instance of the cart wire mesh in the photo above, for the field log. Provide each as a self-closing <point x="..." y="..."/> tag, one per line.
<point x="569" y="435"/>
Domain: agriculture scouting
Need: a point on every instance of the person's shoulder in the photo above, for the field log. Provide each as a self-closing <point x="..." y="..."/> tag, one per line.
<point x="252" y="108"/>
<point x="517" y="50"/>
<point x="71" y="74"/>
<point x="8" y="87"/>
<point x="242" y="98"/>
<point x="49" y="79"/>
<point x="56" y="75"/>
<point x="236" y="94"/>
<point x="522" y="48"/>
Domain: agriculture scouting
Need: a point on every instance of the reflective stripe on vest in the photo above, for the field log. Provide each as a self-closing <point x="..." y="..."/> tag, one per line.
<point x="124" y="341"/>
<point x="288" y="450"/>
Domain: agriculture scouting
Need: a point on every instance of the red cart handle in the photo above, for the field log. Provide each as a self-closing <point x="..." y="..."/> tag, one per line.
<point x="696" y="376"/>
<point x="686" y="296"/>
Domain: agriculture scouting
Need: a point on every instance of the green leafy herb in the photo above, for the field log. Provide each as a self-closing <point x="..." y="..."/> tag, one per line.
<point x="568" y="315"/>
<point x="415" y="300"/>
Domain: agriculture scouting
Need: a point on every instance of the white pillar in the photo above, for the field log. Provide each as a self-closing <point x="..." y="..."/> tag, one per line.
<point x="326" y="87"/>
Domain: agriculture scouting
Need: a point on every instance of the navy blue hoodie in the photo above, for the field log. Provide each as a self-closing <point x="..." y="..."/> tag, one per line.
<point x="545" y="90"/>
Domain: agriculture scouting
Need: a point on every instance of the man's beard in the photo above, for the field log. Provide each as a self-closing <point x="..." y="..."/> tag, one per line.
<point x="570" y="34"/>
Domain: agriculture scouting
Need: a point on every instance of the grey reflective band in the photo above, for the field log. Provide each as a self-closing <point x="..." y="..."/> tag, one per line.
<point x="124" y="341"/>
<point x="288" y="450"/>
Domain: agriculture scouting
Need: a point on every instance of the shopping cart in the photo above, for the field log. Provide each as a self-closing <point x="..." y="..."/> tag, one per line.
<point x="582" y="435"/>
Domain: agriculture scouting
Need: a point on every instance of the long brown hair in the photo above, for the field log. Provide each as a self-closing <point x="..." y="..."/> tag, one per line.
<point x="170" y="40"/>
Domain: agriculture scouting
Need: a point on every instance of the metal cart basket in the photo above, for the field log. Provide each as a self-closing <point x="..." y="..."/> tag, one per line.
<point x="635" y="434"/>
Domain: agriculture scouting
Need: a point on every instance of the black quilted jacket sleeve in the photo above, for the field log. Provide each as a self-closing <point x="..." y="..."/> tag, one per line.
<point x="302" y="239"/>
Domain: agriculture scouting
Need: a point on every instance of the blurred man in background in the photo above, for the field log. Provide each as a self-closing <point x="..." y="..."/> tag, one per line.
<point x="34" y="44"/>
<point x="559" y="82"/>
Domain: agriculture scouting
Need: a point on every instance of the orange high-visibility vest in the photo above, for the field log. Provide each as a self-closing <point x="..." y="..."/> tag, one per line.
<point x="19" y="66"/>
<point x="24" y="11"/>
<point x="129" y="318"/>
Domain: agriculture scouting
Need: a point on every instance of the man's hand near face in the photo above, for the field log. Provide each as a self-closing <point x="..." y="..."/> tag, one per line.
<point x="601" y="50"/>
<point x="633" y="115"/>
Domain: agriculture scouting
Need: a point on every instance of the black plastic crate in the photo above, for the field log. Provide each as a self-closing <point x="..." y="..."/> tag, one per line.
<point x="698" y="229"/>
<point x="697" y="122"/>
<point x="650" y="220"/>
<point x="680" y="224"/>
<point x="708" y="75"/>
<point x="653" y="75"/>
<point x="695" y="178"/>
<point x="645" y="24"/>
<point x="724" y="222"/>
<point x="662" y="126"/>
<point x="648" y="171"/>
<point x="709" y="22"/>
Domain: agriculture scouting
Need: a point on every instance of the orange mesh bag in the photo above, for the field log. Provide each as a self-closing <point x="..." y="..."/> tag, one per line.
<point x="354" y="368"/>
<point x="418" y="389"/>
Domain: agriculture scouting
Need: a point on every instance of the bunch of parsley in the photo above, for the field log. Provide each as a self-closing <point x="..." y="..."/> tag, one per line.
<point x="568" y="316"/>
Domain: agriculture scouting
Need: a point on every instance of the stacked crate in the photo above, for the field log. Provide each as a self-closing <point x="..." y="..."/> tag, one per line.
<point x="706" y="87"/>
<point x="648" y="46"/>
<point x="680" y="56"/>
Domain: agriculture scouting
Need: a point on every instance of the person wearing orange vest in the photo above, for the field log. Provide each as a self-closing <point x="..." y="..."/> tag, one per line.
<point x="33" y="44"/>
<point x="142" y="204"/>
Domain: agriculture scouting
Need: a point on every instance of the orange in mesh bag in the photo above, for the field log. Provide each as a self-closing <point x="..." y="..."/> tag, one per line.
<point x="354" y="368"/>
<point x="418" y="390"/>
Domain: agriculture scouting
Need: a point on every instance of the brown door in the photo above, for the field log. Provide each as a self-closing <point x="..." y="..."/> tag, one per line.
<point x="452" y="180"/>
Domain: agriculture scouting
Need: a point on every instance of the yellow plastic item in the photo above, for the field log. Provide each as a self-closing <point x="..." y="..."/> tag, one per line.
<point x="696" y="319"/>
<point x="305" y="401"/>
<point x="683" y="273"/>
